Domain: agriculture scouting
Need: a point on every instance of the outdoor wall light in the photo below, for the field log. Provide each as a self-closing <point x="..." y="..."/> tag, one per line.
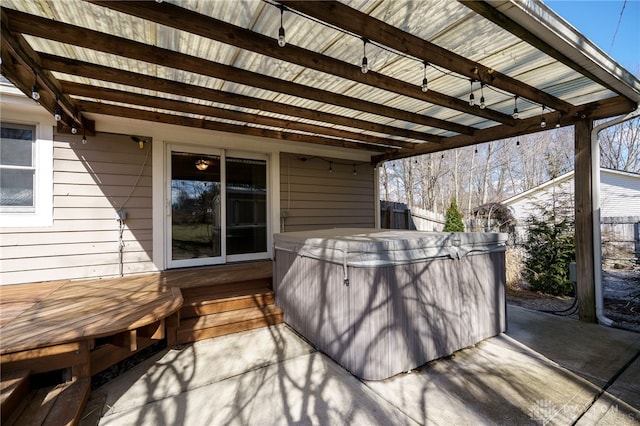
<point x="139" y="141"/>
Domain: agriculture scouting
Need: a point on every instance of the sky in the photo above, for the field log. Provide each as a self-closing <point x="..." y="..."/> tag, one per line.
<point x="598" y="20"/>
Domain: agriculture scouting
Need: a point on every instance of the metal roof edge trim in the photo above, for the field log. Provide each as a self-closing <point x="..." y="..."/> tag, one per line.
<point x="554" y="30"/>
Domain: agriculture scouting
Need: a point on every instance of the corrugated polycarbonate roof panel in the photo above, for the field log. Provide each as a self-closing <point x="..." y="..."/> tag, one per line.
<point x="446" y="23"/>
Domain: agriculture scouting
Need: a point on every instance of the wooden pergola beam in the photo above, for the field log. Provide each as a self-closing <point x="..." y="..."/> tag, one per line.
<point x="90" y="39"/>
<point x="159" y="117"/>
<point x="84" y="69"/>
<point x="195" y="23"/>
<point x="21" y="64"/>
<point x="113" y="95"/>
<point x="596" y="110"/>
<point x="357" y="22"/>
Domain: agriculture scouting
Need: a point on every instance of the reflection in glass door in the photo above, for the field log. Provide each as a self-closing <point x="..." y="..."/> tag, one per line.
<point x="246" y="200"/>
<point x="195" y="207"/>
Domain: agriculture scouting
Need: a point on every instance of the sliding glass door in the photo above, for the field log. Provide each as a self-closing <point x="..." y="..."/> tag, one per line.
<point x="218" y="208"/>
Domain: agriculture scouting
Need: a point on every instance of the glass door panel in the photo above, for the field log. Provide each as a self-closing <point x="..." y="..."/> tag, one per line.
<point x="246" y="198"/>
<point x="195" y="206"/>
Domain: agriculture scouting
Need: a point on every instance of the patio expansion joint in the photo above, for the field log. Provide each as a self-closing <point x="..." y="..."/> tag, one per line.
<point x="607" y="385"/>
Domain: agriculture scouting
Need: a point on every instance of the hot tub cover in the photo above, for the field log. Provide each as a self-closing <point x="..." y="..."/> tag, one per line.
<point x="358" y="247"/>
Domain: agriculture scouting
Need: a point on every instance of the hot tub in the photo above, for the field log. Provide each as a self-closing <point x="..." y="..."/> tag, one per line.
<point x="380" y="302"/>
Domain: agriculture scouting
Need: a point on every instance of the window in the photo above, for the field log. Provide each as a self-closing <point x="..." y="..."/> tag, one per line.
<point x="26" y="175"/>
<point x="17" y="168"/>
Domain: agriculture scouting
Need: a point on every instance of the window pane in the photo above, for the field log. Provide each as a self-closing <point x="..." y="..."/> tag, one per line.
<point x="16" y="187"/>
<point x="16" y="146"/>
<point x="246" y="192"/>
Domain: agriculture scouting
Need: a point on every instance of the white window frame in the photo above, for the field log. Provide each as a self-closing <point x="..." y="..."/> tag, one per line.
<point x="42" y="213"/>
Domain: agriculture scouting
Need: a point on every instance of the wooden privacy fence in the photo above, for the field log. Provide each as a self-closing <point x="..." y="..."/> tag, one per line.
<point x="398" y="216"/>
<point x="621" y="240"/>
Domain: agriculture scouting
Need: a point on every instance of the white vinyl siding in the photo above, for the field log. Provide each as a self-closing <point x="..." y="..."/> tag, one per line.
<point x="619" y="194"/>
<point x="311" y="197"/>
<point x="90" y="184"/>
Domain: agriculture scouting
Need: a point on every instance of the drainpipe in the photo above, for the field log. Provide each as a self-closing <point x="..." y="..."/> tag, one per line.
<point x="595" y="205"/>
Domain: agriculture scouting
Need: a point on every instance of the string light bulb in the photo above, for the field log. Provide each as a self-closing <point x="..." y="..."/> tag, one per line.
<point x="84" y="139"/>
<point x="472" y="98"/>
<point x="543" y="122"/>
<point x="330" y="167"/>
<point x="74" y="129"/>
<point x="35" y="93"/>
<point x="483" y="105"/>
<point x="365" y="63"/>
<point x="355" y="172"/>
<point x="425" y="82"/>
<point x="282" y="41"/>
<point x="558" y="122"/>
<point x="515" y="107"/>
<point x="57" y="114"/>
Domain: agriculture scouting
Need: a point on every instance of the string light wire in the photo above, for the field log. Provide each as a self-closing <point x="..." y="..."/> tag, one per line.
<point x="445" y="72"/>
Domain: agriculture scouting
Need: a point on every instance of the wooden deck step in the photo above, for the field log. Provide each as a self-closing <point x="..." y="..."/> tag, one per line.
<point x="206" y="302"/>
<point x="13" y="389"/>
<point x="59" y="405"/>
<point x="220" y="324"/>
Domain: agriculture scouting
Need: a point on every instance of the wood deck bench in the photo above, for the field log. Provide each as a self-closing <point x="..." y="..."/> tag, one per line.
<point x="83" y="327"/>
<point x="77" y="327"/>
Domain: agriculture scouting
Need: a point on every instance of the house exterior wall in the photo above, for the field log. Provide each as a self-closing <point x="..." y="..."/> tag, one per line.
<point x="619" y="194"/>
<point x="312" y="197"/>
<point x="90" y="183"/>
<point x="619" y="211"/>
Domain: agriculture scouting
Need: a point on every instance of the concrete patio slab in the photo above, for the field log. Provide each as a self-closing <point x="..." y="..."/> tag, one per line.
<point x="592" y="351"/>
<point x="178" y="370"/>
<point x="496" y="382"/>
<point x="545" y="370"/>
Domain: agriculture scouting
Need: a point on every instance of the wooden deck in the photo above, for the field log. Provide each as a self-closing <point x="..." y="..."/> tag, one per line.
<point x="83" y="327"/>
<point x="34" y="316"/>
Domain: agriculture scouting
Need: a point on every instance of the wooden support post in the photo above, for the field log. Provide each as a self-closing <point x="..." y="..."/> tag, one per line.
<point x="82" y="363"/>
<point x="585" y="264"/>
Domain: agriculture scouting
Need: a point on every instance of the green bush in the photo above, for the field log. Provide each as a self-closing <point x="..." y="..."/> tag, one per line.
<point x="453" y="218"/>
<point x="550" y="248"/>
